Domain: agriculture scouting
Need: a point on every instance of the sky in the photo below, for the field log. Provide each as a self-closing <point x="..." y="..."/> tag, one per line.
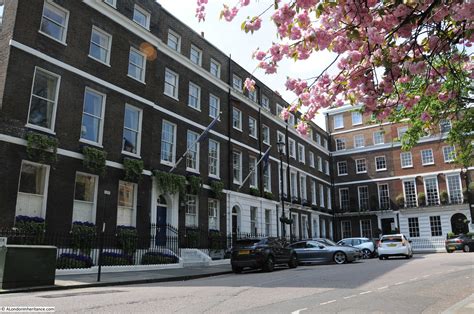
<point x="230" y="39"/>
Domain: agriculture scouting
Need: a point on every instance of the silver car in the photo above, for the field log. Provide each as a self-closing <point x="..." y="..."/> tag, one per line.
<point x="366" y="245"/>
<point x="312" y="251"/>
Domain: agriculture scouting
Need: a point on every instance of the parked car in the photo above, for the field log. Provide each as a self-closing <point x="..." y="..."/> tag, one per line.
<point x="366" y="245"/>
<point x="325" y="241"/>
<point x="394" y="245"/>
<point x="461" y="242"/>
<point x="312" y="251"/>
<point x="263" y="253"/>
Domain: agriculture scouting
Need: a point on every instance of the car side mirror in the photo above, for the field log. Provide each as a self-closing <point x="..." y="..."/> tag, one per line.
<point x="321" y="246"/>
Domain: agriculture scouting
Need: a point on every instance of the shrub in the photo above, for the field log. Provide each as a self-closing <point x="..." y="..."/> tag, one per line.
<point x="195" y="184"/>
<point x="450" y="235"/>
<point x="32" y="228"/>
<point x="133" y="169"/>
<point x="216" y="239"/>
<point x="421" y="199"/>
<point x="268" y="195"/>
<point x="41" y="148"/>
<point x="127" y="238"/>
<point x="254" y="192"/>
<point x="169" y="182"/>
<point x="94" y="159"/>
<point x="154" y="258"/>
<point x="443" y="197"/>
<point x="216" y="188"/>
<point x="68" y="260"/>
<point x="83" y="236"/>
<point x="114" y="259"/>
<point x="400" y="200"/>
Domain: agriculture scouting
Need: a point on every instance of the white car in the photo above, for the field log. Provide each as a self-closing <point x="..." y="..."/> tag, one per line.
<point x="394" y="245"/>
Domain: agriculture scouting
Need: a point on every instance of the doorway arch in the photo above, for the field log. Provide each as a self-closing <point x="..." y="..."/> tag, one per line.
<point x="459" y="224"/>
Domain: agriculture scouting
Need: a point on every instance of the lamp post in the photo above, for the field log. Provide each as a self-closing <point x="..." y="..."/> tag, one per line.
<point x="281" y="147"/>
<point x="465" y="174"/>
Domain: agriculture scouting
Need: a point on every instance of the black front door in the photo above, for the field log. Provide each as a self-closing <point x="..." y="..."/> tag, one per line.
<point x="161" y="225"/>
<point x="459" y="224"/>
<point x="387" y="225"/>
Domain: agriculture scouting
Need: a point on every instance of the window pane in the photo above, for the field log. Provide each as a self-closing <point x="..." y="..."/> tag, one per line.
<point x="45" y="85"/>
<point x="41" y="112"/>
<point x="132" y="118"/>
<point x="90" y="128"/>
<point x="140" y="17"/>
<point x="126" y="194"/>
<point x="93" y="103"/>
<point x="85" y="188"/>
<point x="53" y="22"/>
<point x="32" y="179"/>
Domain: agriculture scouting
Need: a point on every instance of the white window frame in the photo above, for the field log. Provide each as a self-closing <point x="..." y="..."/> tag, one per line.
<point x="311" y="159"/>
<point x="252" y="130"/>
<point x="450" y="191"/>
<point x="401" y="131"/>
<point x="338" y="121"/>
<point x="134" y="205"/>
<point x="108" y="48"/>
<point x="218" y="65"/>
<point x="45" y="187"/>
<point x="450" y="156"/>
<point x="195" y="215"/>
<point x="402" y="159"/>
<point x="292" y="147"/>
<point x="385" y="161"/>
<point x="236" y="79"/>
<point x="57" y="7"/>
<point x="432" y="157"/>
<point x="216" y="203"/>
<point x="447" y="121"/>
<point x="239" y="181"/>
<point x="359" y="188"/>
<point x="199" y="51"/>
<point x="321" y="196"/>
<point x="339" y="169"/>
<point x="253" y="179"/>
<point x="435" y="221"/>
<point x="303" y="187"/>
<point x="265" y="104"/>
<point x="356" y="114"/>
<point x="190" y="96"/>
<point x="139" y="133"/>
<point x="217" y="174"/>
<point x="265" y="134"/>
<point x="101" y="118"/>
<point x="218" y="102"/>
<point x="178" y="40"/>
<point x="176" y="88"/>
<point x="55" y="102"/>
<point x="145" y="13"/>
<point x="437" y="201"/>
<point x="165" y="162"/>
<point x="143" y="73"/>
<point x="197" y="147"/>
<point x="348" y="199"/>
<point x="382" y="134"/>
<point x="93" y="203"/>
<point x="112" y="3"/>
<point x="239" y="126"/>
<point x="357" y="140"/>
<point x="415" y="191"/>
<point x="340" y="144"/>
<point x="301" y="153"/>
<point x="357" y="165"/>
<point x="388" y="195"/>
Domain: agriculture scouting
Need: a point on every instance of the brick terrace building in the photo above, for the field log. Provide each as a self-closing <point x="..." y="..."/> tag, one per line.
<point x="378" y="184"/>
<point x="128" y="78"/>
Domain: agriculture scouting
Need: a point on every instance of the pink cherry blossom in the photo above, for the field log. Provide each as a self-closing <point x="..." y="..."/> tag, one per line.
<point x="249" y="84"/>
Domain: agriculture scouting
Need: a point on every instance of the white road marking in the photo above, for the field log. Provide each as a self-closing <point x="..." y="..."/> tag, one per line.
<point x="365" y="292"/>
<point x="400" y="283"/>
<point x="413" y="279"/>
<point x="298" y="311"/>
<point x="381" y="288"/>
<point x="324" y="303"/>
<point x="351" y="296"/>
<point x="426" y="276"/>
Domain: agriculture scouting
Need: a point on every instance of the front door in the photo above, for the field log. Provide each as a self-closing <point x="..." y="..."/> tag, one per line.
<point x="387" y="225"/>
<point x="161" y="225"/>
<point x="459" y="224"/>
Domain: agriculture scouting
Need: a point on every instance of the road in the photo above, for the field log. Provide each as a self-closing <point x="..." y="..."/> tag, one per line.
<point x="427" y="283"/>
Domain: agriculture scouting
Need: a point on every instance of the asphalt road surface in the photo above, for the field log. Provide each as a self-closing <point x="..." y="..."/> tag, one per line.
<point x="425" y="284"/>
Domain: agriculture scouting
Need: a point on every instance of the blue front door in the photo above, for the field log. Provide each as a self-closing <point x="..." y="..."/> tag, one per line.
<point x="161" y="225"/>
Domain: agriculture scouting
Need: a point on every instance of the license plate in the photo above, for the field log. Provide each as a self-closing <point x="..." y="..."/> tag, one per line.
<point x="452" y="246"/>
<point x="244" y="252"/>
<point x="391" y="245"/>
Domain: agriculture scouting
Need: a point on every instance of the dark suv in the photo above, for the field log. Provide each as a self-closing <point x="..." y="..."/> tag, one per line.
<point x="262" y="253"/>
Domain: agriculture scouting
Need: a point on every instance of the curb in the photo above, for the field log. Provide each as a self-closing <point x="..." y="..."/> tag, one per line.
<point x="116" y="283"/>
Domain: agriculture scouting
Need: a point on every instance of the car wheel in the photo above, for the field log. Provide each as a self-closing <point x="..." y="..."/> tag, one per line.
<point x="466" y="248"/>
<point x="450" y="251"/>
<point x="269" y="264"/>
<point x="236" y="269"/>
<point x="366" y="253"/>
<point x="381" y="258"/>
<point x="339" y="257"/>
<point x="293" y="263"/>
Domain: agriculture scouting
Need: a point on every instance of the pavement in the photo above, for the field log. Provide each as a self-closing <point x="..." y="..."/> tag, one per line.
<point x="430" y="283"/>
<point x="64" y="282"/>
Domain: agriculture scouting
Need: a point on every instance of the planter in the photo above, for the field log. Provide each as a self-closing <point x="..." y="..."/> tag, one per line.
<point x="156" y="258"/>
<point x="69" y="261"/>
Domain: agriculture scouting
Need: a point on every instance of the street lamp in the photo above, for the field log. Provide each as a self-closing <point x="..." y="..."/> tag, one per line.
<point x="281" y="147"/>
<point x="465" y="174"/>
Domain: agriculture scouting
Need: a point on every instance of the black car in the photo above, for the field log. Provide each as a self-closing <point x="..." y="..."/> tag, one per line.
<point x="263" y="253"/>
<point x="463" y="242"/>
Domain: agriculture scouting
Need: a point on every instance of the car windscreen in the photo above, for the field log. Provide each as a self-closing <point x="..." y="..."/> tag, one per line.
<point x="328" y="242"/>
<point x="391" y="239"/>
<point x="249" y="242"/>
